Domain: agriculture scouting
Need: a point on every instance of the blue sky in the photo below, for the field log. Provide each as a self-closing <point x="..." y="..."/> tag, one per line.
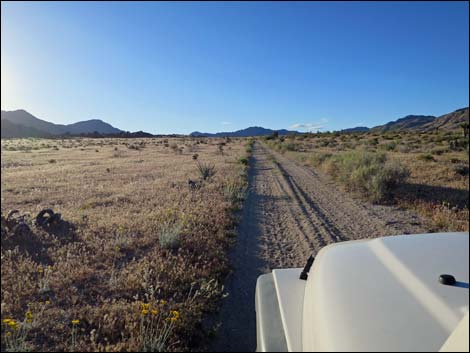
<point x="180" y="67"/>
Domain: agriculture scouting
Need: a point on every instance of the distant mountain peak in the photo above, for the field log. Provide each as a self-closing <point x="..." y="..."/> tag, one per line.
<point x="23" y="124"/>
<point x="356" y="129"/>
<point x="248" y="132"/>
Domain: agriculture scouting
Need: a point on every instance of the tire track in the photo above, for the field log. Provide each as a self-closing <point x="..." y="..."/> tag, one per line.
<point x="343" y="217"/>
<point x="290" y="213"/>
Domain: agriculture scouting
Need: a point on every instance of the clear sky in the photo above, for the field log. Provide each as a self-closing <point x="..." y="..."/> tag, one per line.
<point x="179" y="67"/>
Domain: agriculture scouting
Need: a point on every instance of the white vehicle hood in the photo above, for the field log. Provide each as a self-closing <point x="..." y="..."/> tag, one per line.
<point x="385" y="295"/>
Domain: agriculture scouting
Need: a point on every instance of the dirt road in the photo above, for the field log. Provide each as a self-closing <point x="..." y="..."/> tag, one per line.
<point x="291" y="212"/>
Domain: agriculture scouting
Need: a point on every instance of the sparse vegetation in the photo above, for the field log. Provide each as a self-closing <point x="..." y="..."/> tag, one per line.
<point x="249" y="146"/>
<point x="243" y="160"/>
<point x="235" y="192"/>
<point x="426" y="169"/>
<point x="426" y="157"/>
<point x="170" y="235"/>
<point x="131" y="233"/>
<point x="206" y="170"/>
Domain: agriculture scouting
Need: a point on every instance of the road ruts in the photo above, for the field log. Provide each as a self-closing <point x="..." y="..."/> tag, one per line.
<point x="291" y="212"/>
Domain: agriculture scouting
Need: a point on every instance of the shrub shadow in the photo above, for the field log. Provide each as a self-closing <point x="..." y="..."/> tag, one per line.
<point x="432" y="194"/>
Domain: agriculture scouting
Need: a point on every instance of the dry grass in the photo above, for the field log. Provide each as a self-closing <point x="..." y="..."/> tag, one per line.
<point x="86" y="279"/>
<point x="438" y="184"/>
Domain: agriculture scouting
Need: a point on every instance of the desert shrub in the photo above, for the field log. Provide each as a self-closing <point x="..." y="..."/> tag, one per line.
<point x="461" y="169"/>
<point x="249" y="146"/>
<point x="319" y="158"/>
<point x="273" y="136"/>
<point x="373" y="142"/>
<point x="190" y="148"/>
<point x="439" y="151"/>
<point x="52" y="161"/>
<point x="275" y="145"/>
<point x="370" y="174"/>
<point x="391" y="146"/>
<point x="195" y="156"/>
<point x="117" y="153"/>
<point x="348" y="146"/>
<point x="206" y="170"/>
<point x="170" y="235"/>
<point x="427" y="157"/>
<point x="235" y="192"/>
<point x="134" y="147"/>
<point x="404" y="149"/>
<point x="459" y="144"/>
<point x="290" y="146"/>
<point x="243" y="161"/>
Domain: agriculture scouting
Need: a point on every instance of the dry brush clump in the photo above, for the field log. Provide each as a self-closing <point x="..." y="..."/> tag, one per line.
<point x="206" y="170"/>
<point x="370" y="174"/>
<point x="136" y="259"/>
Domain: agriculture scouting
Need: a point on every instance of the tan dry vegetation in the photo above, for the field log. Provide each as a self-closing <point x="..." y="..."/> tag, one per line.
<point x="437" y="161"/>
<point x="92" y="281"/>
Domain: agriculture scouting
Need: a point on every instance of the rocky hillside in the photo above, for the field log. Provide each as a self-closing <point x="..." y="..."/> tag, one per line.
<point x="408" y="122"/>
<point x="451" y="121"/>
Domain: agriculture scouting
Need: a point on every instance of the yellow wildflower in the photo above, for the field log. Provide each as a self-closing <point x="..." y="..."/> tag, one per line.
<point x="40" y="270"/>
<point x="29" y="317"/>
<point x="6" y="321"/>
<point x="163" y="302"/>
<point x="47" y="302"/>
<point x="13" y="324"/>
<point x="173" y="319"/>
<point x="75" y="322"/>
<point x="154" y="312"/>
<point x="175" y="314"/>
<point x="145" y="312"/>
<point x="8" y="334"/>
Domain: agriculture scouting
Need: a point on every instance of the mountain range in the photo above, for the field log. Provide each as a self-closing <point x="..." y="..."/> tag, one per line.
<point x="20" y="123"/>
<point x="356" y="129"/>
<point x="251" y="131"/>
<point x="409" y="122"/>
<point x="448" y="122"/>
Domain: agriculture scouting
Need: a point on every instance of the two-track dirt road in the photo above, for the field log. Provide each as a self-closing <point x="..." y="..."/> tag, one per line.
<point x="291" y="212"/>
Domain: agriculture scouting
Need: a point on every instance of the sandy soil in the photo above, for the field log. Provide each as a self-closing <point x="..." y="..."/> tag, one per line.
<point x="291" y="212"/>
